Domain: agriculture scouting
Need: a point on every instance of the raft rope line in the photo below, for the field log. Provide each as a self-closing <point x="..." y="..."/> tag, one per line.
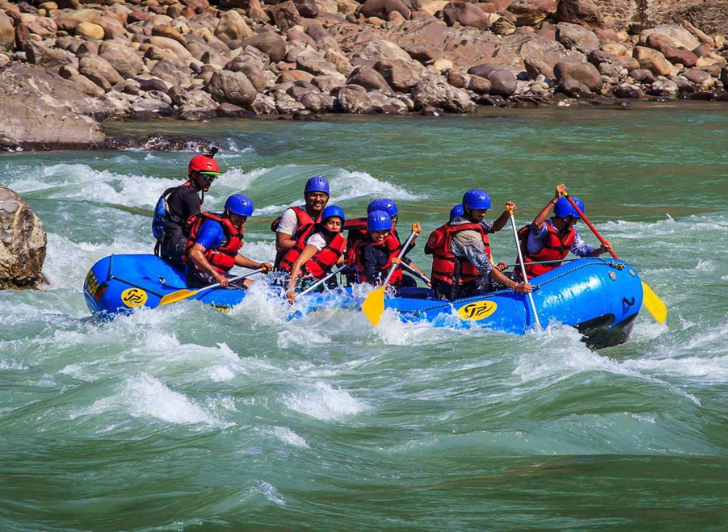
<point x="597" y="262"/>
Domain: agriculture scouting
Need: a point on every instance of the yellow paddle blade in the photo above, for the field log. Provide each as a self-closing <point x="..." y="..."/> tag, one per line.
<point x="179" y="295"/>
<point x="654" y="304"/>
<point x="373" y="306"/>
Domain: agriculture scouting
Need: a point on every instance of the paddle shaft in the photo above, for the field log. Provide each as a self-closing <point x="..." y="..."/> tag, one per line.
<point x="415" y="272"/>
<point x="323" y="280"/>
<point x="591" y="226"/>
<point x="523" y="267"/>
<point x="231" y="280"/>
<point x="401" y="254"/>
<point x="186" y="293"/>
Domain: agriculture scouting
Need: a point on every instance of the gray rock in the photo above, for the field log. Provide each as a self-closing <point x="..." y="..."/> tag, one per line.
<point x="626" y="90"/>
<point x="576" y="37"/>
<point x="665" y="88"/>
<point x="353" y="99"/>
<point x="232" y="87"/>
<point x="124" y="59"/>
<point x="434" y="91"/>
<point x="269" y="43"/>
<point x="22" y="242"/>
<point x="100" y="71"/>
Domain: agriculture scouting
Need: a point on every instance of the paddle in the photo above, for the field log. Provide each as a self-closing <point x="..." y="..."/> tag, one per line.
<point x="179" y="295"/>
<point x="414" y="272"/>
<point x="373" y="306"/>
<point x="523" y="267"/>
<point x="652" y="302"/>
<point x="323" y="280"/>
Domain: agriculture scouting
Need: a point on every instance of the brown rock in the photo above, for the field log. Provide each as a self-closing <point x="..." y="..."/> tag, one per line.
<point x="285" y="15"/>
<point x="39" y="108"/>
<point x="531" y="12"/>
<point x="382" y="8"/>
<point x="269" y="43"/>
<point x="231" y="87"/>
<point x="38" y="54"/>
<point x="653" y="61"/>
<point x="581" y="71"/>
<point x="368" y="78"/>
<point x="22" y="243"/>
<point x="577" y="37"/>
<point x="7" y="32"/>
<point x="466" y="15"/>
<point x="100" y="71"/>
<point x="400" y="74"/>
<point x="503" y="82"/>
<point x="540" y="55"/>
<point x="582" y="12"/>
<point x="124" y="59"/>
<point x="353" y="99"/>
<point x="170" y="32"/>
<point x="232" y="26"/>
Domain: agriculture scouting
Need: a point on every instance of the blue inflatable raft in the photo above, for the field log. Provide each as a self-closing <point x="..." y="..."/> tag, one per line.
<point x="600" y="298"/>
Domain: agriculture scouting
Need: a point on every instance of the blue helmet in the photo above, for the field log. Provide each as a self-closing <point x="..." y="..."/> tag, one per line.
<point x="240" y="205"/>
<point x="379" y="221"/>
<point x="456" y="211"/>
<point x="317" y="184"/>
<point x="476" y="199"/>
<point x="384" y="204"/>
<point x="333" y="210"/>
<point x="563" y="208"/>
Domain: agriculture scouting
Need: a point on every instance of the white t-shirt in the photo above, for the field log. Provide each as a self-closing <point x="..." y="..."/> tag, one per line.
<point x="289" y="222"/>
<point x="316" y="239"/>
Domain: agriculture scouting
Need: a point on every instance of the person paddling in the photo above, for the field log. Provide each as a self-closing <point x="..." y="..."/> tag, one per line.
<point x="317" y="251"/>
<point x="177" y="204"/>
<point x="462" y="263"/>
<point x="214" y="244"/>
<point x="296" y="220"/>
<point x="374" y="254"/>
<point x="551" y="239"/>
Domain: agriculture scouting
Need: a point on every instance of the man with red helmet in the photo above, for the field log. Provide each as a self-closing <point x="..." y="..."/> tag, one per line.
<point x="177" y="204"/>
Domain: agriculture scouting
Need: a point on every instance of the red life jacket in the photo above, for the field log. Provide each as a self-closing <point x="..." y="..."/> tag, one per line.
<point x="556" y="248"/>
<point x="443" y="263"/>
<point x="305" y="223"/>
<point x="389" y="245"/>
<point x="318" y="265"/>
<point x="221" y="259"/>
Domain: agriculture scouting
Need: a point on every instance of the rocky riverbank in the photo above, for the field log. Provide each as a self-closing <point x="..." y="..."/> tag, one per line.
<point x="68" y="66"/>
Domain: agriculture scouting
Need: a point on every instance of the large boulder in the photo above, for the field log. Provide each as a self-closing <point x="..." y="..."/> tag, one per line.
<point x="232" y="27"/>
<point x="123" y="58"/>
<point x="271" y="44"/>
<point x="467" y="14"/>
<point x="503" y="82"/>
<point x="577" y="37"/>
<point x="7" y="32"/>
<point x="540" y="55"/>
<point x="531" y="12"/>
<point x="653" y="61"/>
<point x="581" y="71"/>
<point x="22" y="243"/>
<point x="232" y="87"/>
<point x="401" y="75"/>
<point x="368" y="78"/>
<point x="383" y="8"/>
<point x="679" y="36"/>
<point x="434" y="91"/>
<point x="40" y="109"/>
<point x="582" y="12"/>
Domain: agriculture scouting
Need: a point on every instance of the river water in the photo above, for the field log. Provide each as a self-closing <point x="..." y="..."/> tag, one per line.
<point x="185" y="418"/>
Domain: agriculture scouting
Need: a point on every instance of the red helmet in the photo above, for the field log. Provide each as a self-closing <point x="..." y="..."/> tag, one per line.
<point x="203" y="163"/>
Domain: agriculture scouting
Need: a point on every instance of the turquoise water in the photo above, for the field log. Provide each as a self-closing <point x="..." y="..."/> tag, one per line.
<point x="184" y="418"/>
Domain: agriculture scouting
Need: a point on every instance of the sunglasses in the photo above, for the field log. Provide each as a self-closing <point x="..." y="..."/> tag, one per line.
<point x="209" y="176"/>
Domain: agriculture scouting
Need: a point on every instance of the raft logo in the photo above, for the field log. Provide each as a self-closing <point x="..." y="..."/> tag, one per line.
<point x="134" y="297"/>
<point x="477" y="311"/>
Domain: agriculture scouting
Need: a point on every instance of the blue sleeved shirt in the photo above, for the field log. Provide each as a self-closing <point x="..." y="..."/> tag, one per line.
<point x="537" y="240"/>
<point x="211" y="235"/>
